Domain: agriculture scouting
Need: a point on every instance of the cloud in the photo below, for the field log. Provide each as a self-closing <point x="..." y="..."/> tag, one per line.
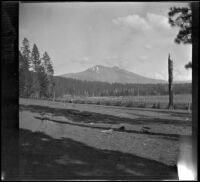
<point x="159" y="76"/>
<point x="162" y="75"/>
<point x="156" y="20"/>
<point x="182" y="74"/>
<point x="133" y="21"/>
<point x="178" y="75"/>
<point x="143" y="23"/>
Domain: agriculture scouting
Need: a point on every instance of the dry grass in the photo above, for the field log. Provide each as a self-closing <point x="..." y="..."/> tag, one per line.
<point x="86" y="123"/>
<point x="156" y="102"/>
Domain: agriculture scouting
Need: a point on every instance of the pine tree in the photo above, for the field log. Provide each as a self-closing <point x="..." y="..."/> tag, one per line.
<point x="182" y="18"/>
<point x="50" y="68"/>
<point x="47" y="64"/>
<point x="43" y="82"/>
<point x="35" y="56"/>
<point x="25" y="79"/>
<point x="49" y="71"/>
<point x="45" y="60"/>
<point x="25" y="51"/>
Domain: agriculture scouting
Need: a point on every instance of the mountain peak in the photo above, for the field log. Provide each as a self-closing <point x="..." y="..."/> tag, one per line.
<point x="96" y="68"/>
<point x="111" y="75"/>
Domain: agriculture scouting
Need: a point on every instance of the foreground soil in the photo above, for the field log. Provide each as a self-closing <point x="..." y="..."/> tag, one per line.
<point x="77" y="141"/>
<point x="42" y="157"/>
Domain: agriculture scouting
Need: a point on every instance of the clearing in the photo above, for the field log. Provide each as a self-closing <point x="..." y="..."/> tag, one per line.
<point x="70" y="141"/>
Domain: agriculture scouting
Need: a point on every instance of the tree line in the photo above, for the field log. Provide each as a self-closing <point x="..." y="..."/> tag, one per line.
<point x="37" y="80"/>
<point x="35" y="72"/>
<point x="73" y="87"/>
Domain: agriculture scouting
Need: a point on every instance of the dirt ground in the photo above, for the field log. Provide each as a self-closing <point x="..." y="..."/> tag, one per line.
<point x="70" y="141"/>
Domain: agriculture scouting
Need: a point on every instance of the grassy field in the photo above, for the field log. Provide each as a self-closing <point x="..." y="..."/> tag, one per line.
<point x="83" y="141"/>
<point x="159" y="102"/>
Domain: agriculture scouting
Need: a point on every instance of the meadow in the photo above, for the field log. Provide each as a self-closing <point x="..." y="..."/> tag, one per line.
<point x="181" y="101"/>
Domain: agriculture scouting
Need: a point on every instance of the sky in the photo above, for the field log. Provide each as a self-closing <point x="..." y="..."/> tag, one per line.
<point x="131" y="35"/>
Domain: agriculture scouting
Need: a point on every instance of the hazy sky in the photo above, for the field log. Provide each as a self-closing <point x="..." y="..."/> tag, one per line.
<point x="133" y="36"/>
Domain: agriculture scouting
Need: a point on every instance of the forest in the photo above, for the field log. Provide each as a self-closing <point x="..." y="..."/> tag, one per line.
<point x="73" y="87"/>
<point x="35" y="72"/>
<point x="37" y="80"/>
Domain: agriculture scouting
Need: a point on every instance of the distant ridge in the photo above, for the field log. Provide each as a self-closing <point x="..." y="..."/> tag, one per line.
<point x="186" y="81"/>
<point x="111" y="75"/>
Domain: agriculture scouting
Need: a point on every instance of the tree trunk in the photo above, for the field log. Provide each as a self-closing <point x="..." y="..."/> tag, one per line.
<point x="170" y="72"/>
<point x="54" y="95"/>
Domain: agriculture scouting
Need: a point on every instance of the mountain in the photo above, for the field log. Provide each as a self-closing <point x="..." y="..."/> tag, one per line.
<point x="111" y="75"/>
<point x="182" y="81"/>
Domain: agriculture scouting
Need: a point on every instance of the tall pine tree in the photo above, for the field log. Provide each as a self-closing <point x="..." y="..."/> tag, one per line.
<point x="35" y="74"/>
<point x="43" y="82"/>
<point x="25" y="78"/>
<point x="36" y="65"/>
<point x="49" y="71"/>
<point x="35" y="56"/>
<point x="25" y="51"/>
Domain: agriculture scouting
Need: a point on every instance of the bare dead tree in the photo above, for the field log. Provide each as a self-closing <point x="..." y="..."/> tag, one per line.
<point x="170" y="80"/>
